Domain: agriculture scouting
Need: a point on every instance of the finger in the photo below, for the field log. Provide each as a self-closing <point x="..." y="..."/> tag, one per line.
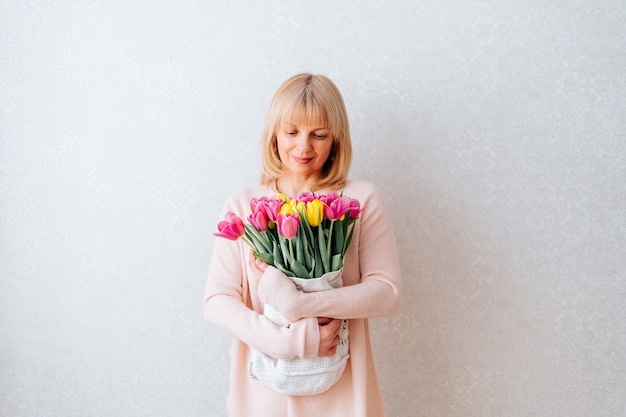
<point x="260" y="264"/>
<point x="326" y="321"/>
<point x="257" y="272"/>
<point x="252" y="260"/>
<point x="335" y="324"/>
<point x="327" y="339"/>
<point x="323" y="321"/>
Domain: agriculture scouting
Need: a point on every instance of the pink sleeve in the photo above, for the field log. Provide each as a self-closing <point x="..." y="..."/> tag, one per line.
<point x="377" y="286"/>
<point x="227" y="305"/>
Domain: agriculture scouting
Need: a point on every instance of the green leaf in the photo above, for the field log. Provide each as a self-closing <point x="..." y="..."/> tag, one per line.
<point x="329" y="246"/>
<point x="338" y="240"/>
<point x="318" y="266"/>
<point x="323" y="250"/>
<point x="309" y="259"/>
<point x="299" y="269"/>
<point x="277" y="256"/>
<point x="285" y="271"/>
<point x="306" y="230"/>
<point x="299" y="249"/>
<point x="284" y="247"/>
<point x="268" y="258"/>
<point x="261" y="243"/>
<point x="305" y="236"/>
<point x="348" y="240"/>
<point x="337" y="262"/>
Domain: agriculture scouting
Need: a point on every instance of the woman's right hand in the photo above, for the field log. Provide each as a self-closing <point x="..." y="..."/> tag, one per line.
<point x="329" y="335"/>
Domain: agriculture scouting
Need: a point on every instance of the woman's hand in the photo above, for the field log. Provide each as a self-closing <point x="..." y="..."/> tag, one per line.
<point x="329" y="335"/>
<point x="257" y="266"/>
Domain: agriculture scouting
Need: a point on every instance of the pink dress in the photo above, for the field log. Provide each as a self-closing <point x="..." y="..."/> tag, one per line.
<point x="372" y="286"/>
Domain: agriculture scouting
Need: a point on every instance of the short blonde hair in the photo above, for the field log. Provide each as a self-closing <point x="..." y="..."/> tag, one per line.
<point x="311" y="100"/>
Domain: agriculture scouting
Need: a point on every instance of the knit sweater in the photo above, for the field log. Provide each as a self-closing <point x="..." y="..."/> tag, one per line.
<point x="234" y="302"/>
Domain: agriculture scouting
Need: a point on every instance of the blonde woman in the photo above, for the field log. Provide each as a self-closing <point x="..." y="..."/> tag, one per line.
<point x="306" y="146"/>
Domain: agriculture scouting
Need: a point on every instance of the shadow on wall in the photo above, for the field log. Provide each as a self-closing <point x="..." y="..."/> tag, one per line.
<point x="432" y="354"/>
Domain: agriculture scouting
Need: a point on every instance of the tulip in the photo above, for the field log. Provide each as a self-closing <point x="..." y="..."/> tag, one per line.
<point x="231" y="227"/>
<point x="287" y="208"/>
<point x="329" y="198"/>
<point x="259" y="220"/>
<point x="293" y="206"/>
<point x="355" y="208"/>
<point x="300" y="207"/>
<point x="288" y="225"/>
<point x="338" y="208"/>
<point x="314" y="212"/>
<point x="307" y="197"/>
<point x="257" y="204"/>
<point x="272" y="207"/>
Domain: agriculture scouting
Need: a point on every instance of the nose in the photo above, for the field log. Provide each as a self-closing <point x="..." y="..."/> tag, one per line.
<point x="304" y="141"/>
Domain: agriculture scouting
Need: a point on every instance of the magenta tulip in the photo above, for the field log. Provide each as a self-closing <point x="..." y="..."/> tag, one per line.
<point x="270" y="206"/>
<point x="355" y="208"/>
<point x="257" y="204"/>
<point x="259" y="220"/>
<point x="306" y="197"/>
<point x="288" y="225"/>
<point x="337" y="208"/>
<point x="231" y="227"/>
<point x="329" y="198"/>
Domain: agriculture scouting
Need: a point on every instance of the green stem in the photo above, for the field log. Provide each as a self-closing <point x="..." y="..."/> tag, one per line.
<point x="329" y="242"/>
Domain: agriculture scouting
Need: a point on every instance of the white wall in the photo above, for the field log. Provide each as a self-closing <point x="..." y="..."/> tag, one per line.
<point x="497" y="129"/>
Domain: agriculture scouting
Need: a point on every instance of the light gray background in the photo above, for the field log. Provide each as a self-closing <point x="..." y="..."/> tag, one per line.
<point x="496" y="128"/>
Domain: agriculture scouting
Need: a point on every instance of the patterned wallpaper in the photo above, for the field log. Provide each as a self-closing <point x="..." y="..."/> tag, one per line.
<point x="496" y="128"/>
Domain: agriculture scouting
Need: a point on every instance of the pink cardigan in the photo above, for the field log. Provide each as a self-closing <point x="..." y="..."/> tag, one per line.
<point x="372" y="285"/>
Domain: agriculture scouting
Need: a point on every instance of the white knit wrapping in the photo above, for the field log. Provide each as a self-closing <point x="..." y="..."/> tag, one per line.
<point x="302" y="376"/>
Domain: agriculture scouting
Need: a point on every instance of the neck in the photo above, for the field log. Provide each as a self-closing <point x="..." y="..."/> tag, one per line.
<point x="293" y="187"/>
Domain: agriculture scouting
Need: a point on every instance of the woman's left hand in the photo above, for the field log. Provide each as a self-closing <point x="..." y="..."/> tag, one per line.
<point x="257" y="266"/>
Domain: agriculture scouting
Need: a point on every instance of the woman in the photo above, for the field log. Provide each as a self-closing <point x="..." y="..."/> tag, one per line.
<point x="306" y="146"/>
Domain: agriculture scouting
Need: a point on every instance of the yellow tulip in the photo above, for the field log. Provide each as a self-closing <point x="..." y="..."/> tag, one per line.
<point x="287" y="209"/>
<point x="314" y="212"/>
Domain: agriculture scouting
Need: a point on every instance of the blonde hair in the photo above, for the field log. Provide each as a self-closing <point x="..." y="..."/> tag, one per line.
<point x="311" y="100"/>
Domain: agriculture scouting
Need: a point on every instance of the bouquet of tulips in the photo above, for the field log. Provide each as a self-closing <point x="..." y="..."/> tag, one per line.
<point x="305" y="236"/>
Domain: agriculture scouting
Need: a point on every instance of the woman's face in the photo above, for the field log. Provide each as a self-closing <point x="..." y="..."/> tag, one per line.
<point x="303" y="149"/>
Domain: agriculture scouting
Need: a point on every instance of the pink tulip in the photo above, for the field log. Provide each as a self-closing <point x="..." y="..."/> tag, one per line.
<point x="231" y="227"/>
<point x="355" y="208"/>
<point x="259" y="220"/>
<point x="329" y="198"/>
<point x="257" y="204"/>
<point x="337" y="208"/>
<point x="272" y="207"/>
<point x="288" y="225"/>
<point x="306" y="197"/>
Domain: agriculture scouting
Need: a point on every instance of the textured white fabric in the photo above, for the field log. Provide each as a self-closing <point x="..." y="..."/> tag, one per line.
<point x="302" y="376"/>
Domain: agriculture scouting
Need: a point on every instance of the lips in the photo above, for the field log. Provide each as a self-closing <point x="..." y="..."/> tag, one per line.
<point x="302" y="160"/>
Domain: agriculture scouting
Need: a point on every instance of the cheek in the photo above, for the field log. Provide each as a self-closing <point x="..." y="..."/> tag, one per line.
<point x="326" y="151"/>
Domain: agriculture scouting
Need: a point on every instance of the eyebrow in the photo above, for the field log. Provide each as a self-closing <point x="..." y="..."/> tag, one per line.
<point x="314" y="129"/>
